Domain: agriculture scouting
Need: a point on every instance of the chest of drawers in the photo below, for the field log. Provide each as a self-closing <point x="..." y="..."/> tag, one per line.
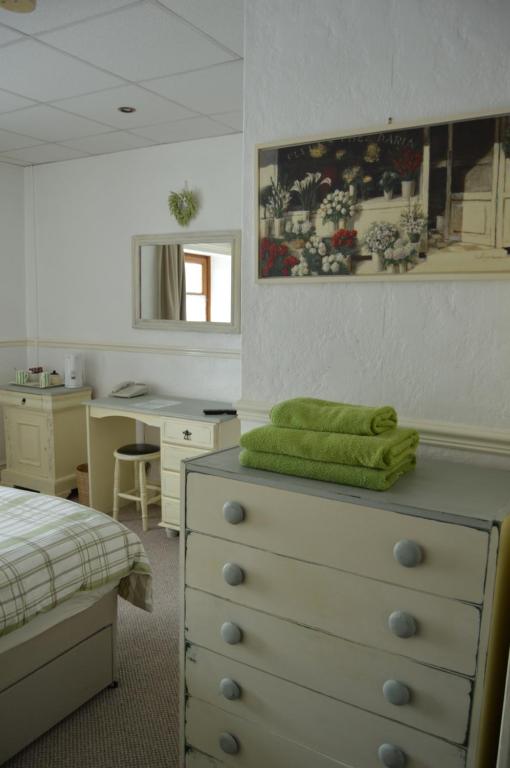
<point x="328" y="626"/>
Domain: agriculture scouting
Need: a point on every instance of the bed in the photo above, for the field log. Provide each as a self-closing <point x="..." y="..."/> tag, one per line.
<point x="62" y="567"/>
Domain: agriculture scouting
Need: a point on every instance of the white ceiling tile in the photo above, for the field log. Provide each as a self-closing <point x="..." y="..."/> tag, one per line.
<point x="7" y="35"/>
<point x="10" y="141"/>
<point x="55" y="13"/>
<point x="103" y="106"/>
<point x="212" y="90"/>
<point x="138" y="43"/>
<point x="232" y="119"/>
<point x="9" y="101"/>
<point x="223" y="19"/>
<point x="44" y="153"/>
<point x="38" y="72"/>
<point x="109" y="142"/>
<point x="183" y="130"/>
<point x="49" y="124"/>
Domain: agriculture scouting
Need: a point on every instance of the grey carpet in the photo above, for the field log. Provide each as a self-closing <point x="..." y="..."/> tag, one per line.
<point x="135" y="725"/>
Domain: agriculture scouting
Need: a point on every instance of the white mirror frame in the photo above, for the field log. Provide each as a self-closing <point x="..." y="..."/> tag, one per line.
<point x="189" y="238"/>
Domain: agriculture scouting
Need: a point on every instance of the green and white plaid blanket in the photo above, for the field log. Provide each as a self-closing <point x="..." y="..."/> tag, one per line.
<point x="51" y="548"/>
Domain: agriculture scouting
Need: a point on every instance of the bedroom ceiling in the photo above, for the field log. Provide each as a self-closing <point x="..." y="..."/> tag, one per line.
<point x="66" y="68"/>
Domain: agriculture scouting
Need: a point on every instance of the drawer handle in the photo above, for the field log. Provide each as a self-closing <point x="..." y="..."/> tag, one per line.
<point x="230" y="689"/>
<point x="233" y="574"/>
<point x="229" y="743"/>
<point x="396" y="693"/>
<point x="391" y="756"/>
<point x="402" y="624"/>
<point x="408" y="553"/>
<point x="233" y="512"/>
<point x="23" y="400"/>
<point x="187" y="434"/>
<point x="231" y="633"/>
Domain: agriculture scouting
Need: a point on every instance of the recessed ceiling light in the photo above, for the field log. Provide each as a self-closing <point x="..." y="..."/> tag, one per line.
<point x="19" y="6"/>
<point x="127" y="110"/>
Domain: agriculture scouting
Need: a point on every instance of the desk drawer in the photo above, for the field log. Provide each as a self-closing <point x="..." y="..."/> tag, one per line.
<point x="343" y="732"/>
<point x="171" y="456"/>
<point x="349" y="606"/>
<point x="170" y="484"/>
<point x="192" y="433"/>
<point x="171" y="511"/>
<point x="354" y="538"/>
<point x="440" y="702"/>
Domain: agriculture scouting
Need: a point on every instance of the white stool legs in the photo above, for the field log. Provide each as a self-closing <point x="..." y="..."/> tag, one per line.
<point x="140" y="492"/>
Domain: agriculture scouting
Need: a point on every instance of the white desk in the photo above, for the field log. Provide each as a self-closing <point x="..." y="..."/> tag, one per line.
<point x="185" y="432"/>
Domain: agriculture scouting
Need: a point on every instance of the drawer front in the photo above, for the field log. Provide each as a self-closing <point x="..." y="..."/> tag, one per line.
<point x="346" y="605"/>
<point x="347" y="536"/>
<point x="171" y="456"/>
<point x="193" y="433"/>
<point x="196" y="759"/>
<point x="170" y="484"/>
<point x="336" y="729"/>
<point x="171" y="511"/>
<point x="440" y="702"/>
<point x="21" y="400"/>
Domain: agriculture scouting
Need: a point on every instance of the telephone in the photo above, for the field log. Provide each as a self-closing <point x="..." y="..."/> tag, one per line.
<point x="129" y="389"/>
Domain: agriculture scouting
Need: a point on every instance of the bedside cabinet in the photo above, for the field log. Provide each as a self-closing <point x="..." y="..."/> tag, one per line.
<point x="328" y="626"/>
<point x="45" y="437"/>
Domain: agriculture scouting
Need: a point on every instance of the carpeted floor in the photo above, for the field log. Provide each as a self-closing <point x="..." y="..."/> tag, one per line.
<point x="135" y="725"/>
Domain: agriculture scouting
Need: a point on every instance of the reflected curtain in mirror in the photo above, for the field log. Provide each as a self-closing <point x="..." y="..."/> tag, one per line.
<point x="172" y="282"/>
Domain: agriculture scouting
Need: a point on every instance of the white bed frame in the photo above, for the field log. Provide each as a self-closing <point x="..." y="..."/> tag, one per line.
<point x="45" y="678"/>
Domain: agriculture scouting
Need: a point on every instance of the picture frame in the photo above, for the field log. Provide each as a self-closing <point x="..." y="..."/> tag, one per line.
<point x="427" y="201"/>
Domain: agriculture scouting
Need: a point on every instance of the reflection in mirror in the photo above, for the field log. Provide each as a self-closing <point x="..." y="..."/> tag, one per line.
<point x="187" y="282"/>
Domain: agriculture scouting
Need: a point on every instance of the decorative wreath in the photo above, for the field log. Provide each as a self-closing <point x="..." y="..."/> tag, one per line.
<point x="183" y="205"/>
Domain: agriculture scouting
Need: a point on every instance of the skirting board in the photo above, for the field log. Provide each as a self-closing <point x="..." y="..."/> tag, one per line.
<point x="435" y="433"/>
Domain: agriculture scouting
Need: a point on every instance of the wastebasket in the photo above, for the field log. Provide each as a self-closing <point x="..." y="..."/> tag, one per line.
<point x="82" y="483"/>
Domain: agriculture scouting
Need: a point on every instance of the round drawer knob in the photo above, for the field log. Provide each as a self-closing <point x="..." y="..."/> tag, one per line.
<point x="402" y="624"/>
<point x="233" y="512"/>
<point x="233" y="574"/>
<point x="229" y="743"/>
<point x="408" y="553"/>
<point x="230" y="689"/>
<point x="391" y="756"/>
<point x="396" y="693"/>
<point x="231" y="633"/>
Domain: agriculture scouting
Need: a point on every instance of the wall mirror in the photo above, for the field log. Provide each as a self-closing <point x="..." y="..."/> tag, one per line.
<point x="187" y="281"/>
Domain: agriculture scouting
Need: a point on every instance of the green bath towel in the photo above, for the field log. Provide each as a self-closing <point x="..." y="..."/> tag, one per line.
<point x="362" y="477"/>
<point x="327" y="416"/>
<point x="383" y="451"/>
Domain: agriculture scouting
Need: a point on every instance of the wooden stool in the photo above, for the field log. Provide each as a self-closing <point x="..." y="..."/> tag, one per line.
<point x="137" y="453"/>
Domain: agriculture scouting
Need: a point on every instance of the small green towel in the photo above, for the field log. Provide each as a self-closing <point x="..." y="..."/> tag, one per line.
<point x="383" y="451"/>
<point x="361" y="477"/>
<point x="327" y="416"/>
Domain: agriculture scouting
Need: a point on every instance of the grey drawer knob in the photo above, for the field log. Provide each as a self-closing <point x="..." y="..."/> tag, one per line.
<point x="408" y="553"/>
<point x="396" y="693"/>
<point x="233" y="512"/>
<point x="230" y="689"/>
<point x="233" y="574"/>
<point x="231" y="633"/>
<point x="229" y="743"/>
<point x="391" y="756"/>
<point x="402" y="624"/>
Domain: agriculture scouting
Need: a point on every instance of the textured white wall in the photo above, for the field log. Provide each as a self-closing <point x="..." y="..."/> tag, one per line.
<point x="437" y="350"/>
<point x="83" y="214"/>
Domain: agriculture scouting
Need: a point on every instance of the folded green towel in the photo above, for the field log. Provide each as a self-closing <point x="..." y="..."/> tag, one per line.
<point x="362" y="477"/>
<point x="377" y="451"/>
<point x="327" y="416"/>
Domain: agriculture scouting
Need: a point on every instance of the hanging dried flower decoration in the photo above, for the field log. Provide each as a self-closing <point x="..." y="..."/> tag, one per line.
<point x="183" y="205"/>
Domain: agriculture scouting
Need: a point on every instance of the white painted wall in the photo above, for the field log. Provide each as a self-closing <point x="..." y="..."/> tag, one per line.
<point x="436" y="350"/>
<point x="83" y="214"/>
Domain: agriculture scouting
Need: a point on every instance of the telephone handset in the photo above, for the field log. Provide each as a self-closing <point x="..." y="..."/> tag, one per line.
<point x="129" y="389"/>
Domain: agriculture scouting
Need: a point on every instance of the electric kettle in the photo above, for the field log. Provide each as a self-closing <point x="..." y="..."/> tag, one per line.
<point x="73" y="371"/>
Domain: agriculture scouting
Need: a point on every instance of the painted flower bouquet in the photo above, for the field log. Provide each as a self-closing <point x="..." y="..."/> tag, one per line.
<point x="413" y="222"/>
<point x="277" y="198"/>
<point x="407" y="163"/>
<point x="344" y="239"/>
<point x="351" y="174"/>
<point x="380" y="236"/>
<point x="389" y="183"/>
<point x="307" y="188"/>
<point x="336" y="264"/>
<point x="313" y="252"/>
<point x="275" y="259"/>
<point x="400" y="255"/>
<point x="337" y="205"/>
<point x="296" y="232"/>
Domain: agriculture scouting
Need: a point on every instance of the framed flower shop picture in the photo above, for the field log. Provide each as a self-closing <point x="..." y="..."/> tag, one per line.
<point x="420" y="202"/>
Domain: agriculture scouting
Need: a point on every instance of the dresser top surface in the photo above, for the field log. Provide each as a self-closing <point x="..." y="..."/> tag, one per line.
<point x="448" y="491"/>
<point x="165" y="406"/>
<point x="48" y="391"/>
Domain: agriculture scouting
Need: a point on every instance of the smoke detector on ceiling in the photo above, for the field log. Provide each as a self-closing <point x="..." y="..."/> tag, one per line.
<point x="18" y="6"/>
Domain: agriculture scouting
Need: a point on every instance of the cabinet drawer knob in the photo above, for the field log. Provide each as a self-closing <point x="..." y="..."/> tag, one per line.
<point x="396" y="693"/>
<point x="230" y="689"/>
<point x="233" y="574"/>
<point x="408" y="553"/>
<point x="391" y="756"/>
<point x="402" y="624"/>
<point x="187" y="434"/>
<point x="229" y="743"/>
<point x="23" y="400"/>
<point x="233" y="512"/>
<point x="231" y="633"/>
